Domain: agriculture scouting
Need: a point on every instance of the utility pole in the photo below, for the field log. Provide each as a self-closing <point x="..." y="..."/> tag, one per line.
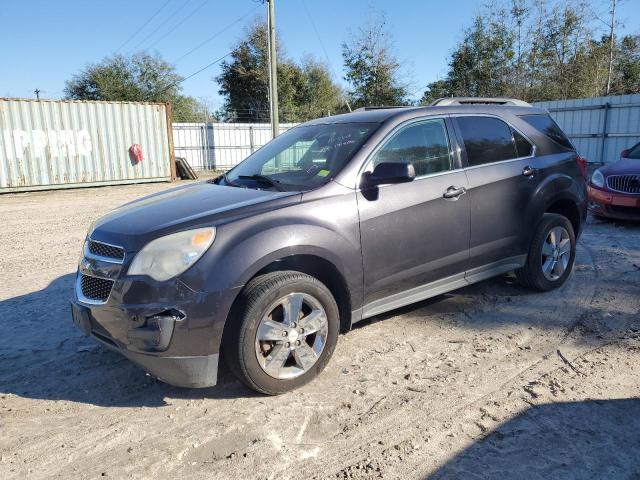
<point x="611" y="44"/>
<point x="273" y="68"/>
<point x="37" y="92"/>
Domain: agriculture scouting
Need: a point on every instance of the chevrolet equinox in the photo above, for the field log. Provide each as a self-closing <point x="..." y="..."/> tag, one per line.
<point x="335" y="221"/>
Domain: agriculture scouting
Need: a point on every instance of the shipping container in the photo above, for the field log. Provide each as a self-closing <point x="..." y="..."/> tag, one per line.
<point x="46" y="144"/>
<point x="599" y="127"/>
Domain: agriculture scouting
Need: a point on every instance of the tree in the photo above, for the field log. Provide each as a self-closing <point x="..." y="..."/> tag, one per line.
<point x="305" y="90"/>
<point x="316" y="93"/>
<point x="138" y="78"/>
<point x="434" y="91"/>
<point x="539" y="50"/>
<point x="483" y="65"/>
<point x="627" y="66"/>
<point x="372" y="70"/>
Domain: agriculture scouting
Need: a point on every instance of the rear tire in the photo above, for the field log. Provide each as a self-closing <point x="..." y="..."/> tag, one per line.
<point x="551" y="255"/>
<point x="283" y="333"/>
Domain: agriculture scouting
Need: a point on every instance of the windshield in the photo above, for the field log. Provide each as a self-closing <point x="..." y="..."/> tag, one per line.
<point x="634" y="152"/>
<point x="302" y="158"/>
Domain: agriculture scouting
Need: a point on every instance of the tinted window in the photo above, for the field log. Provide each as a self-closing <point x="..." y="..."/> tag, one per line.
<point x="486" y="140"/>
<point x="546" y="125"/>
<point x="634" y="152"/>
<point x="523" y="147"/>
<point x="425" y="144"/>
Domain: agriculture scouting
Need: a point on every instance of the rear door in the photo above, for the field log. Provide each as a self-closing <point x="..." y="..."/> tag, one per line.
<point x="411" y="235"/>
<point x="501" y="170"/>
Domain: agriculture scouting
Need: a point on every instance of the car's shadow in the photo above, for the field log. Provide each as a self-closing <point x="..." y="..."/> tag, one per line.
<point x="44" y="356"/>
<point x="588" y="439"/>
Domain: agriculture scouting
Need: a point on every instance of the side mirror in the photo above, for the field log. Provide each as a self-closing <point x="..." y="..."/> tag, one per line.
<point x="624" y="153"/>
<point x="385" y="173"/>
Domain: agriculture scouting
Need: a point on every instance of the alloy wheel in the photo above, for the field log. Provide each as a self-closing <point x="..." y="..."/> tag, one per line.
<point x="291" y="336"/>
<point x="556" y="251"/>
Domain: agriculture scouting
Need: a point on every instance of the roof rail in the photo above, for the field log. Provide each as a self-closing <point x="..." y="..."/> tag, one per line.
<point x="380" y="107"/>
<point x="443" y="102"/>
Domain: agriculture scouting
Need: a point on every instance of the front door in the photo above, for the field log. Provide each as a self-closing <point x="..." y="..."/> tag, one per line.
<point x="412" y="237"/>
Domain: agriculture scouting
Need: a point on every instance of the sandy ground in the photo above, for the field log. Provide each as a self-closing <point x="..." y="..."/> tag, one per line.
<point x="492" y="381"/>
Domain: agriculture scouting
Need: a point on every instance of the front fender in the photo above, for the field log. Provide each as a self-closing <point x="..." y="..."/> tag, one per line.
<point x="325" y="227"/>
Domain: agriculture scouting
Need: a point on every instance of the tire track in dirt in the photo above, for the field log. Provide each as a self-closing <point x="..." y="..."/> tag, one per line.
<point x="403" y="418"/>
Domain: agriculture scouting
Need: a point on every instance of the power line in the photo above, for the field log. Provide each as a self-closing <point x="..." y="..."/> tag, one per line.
<point x="193" y="12"/>
<point x="175" y="84"/>
<point x="315" y="29"/>
<point x="162" y="24"/>
<point x="326" y="55"/>
<point x="204" y="42"/>
<point x="142" y="27"/>
<point x="206" y="66"/>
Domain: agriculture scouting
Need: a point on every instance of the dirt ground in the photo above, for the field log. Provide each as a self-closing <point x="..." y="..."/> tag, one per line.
<point x="492" y="381"/>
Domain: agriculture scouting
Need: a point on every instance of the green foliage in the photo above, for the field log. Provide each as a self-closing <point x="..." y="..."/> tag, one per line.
<point x="138" y="78"/>
<point x="372" y="70"/>
<point x="538" y="50"/>
<point x="434" y="91"/>
<point x="305" y="90"/>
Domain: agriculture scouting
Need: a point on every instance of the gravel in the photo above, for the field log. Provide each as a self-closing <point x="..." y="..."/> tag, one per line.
<point x="491" y="381"/>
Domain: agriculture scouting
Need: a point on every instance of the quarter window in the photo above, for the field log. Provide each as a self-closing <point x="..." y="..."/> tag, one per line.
<point x="546" y="125"/>
<point x="486" y="140"/>
<point x="523" y="147"/>
<point x="425" y="145"/>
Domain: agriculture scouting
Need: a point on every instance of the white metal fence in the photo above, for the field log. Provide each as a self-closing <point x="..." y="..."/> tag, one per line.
<point x="220" y="146"/>
<point x="599" y="127"/>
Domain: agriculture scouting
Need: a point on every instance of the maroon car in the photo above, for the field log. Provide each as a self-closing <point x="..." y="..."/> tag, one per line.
<point x="614" y="190"/>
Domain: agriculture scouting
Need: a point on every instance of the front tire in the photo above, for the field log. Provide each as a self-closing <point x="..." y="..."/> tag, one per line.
<point x="551" y="255"/>
<point x="284" y="334"/>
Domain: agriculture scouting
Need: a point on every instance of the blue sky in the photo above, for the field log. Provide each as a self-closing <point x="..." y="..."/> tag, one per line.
<point x="44" y="42"/>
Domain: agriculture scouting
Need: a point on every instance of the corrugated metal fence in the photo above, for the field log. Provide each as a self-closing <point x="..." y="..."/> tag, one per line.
<point x="599" y="127"/>
<point x="61" y="144"/>
<point x="220" y="146"/>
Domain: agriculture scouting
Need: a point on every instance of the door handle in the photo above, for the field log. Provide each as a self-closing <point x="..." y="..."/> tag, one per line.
<point x="528" y="171"/>
<point x="452" y="193"/>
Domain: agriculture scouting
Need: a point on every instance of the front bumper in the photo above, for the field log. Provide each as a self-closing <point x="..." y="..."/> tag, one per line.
<point x="610" y="204"/>
<point x="166" y="328"/>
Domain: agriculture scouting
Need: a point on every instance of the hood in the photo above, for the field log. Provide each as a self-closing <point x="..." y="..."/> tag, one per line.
<point x="136" y="223"/>
<point x="624" y="166"/>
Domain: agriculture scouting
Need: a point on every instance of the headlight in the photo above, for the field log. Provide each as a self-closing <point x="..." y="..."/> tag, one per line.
<point x="166" y="257"/>
<point x="597" y="178"/>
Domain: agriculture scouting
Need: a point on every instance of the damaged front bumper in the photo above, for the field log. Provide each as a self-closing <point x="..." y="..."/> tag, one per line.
<point x="168" y="329"/>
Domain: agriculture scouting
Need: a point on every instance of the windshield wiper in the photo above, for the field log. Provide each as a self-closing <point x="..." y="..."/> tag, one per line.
<point x="263" y="178"/>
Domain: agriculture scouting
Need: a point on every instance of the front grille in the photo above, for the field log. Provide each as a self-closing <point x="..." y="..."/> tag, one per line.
<point x="95" y="288"/>
<point x="105" y="250"/>
<point x="624" y="183"/>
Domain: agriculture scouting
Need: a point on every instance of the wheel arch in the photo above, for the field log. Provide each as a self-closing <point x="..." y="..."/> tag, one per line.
<point x="568" y="208"/>
<point x="325" y="271"/>
<point x="311" y="264"/>
<point x="562" y="194"/>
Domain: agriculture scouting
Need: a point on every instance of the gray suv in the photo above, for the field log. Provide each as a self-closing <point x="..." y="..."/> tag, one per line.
<point x="336" y="220"/>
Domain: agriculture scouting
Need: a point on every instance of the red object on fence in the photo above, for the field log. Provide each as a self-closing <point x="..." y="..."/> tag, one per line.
<point x="135" y="153"/>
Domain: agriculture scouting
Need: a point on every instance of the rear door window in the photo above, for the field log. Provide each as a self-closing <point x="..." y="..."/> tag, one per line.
<point x="486" y="140"/>
<point x="546" y="125"/>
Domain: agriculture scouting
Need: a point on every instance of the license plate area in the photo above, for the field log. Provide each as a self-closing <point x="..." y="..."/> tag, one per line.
<point x="625" y="201"/>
